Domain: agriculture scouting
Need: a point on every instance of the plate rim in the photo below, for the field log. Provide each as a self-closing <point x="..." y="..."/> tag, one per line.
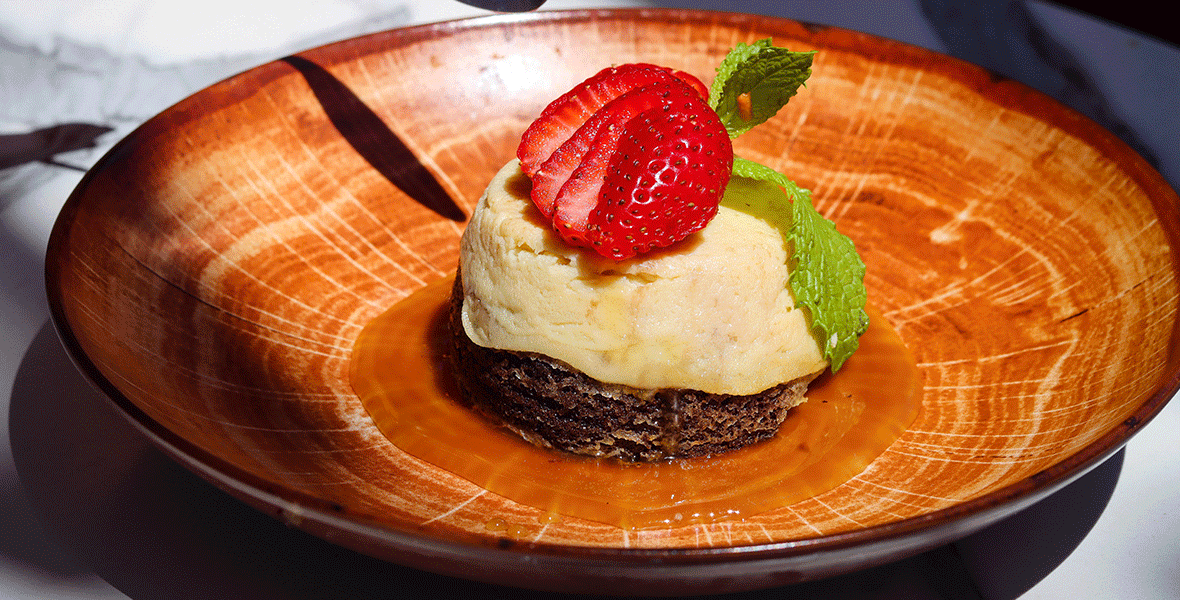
<point x="940" y="526"/>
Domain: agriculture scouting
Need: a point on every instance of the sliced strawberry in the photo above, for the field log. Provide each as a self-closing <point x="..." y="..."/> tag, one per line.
<point x="572" y="154"/>
<point x="601" y="133"/>
<point x="558" y="121"/>
<point x="583" y="191"/>
<point x="664" y="181"/>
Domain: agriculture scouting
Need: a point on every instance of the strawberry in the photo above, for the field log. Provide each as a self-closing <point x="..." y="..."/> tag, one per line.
<point x="566" y="187"/>
<point x="594" y="152"/>
<point x="565" y="115"/>
<point x="667" y="177"/>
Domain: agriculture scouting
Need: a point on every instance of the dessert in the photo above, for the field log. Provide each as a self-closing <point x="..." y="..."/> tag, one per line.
<point x="630" y="288"/>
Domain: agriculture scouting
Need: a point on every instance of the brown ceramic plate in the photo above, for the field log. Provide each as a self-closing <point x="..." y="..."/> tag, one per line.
<point x="211" y="273"/>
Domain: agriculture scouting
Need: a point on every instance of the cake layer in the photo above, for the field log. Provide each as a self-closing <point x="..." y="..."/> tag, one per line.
<point x="553" y="405"/>
<point x="713" y="313"/>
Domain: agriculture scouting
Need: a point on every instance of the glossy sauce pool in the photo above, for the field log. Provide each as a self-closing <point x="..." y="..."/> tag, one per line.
<point x="402" y="375"/>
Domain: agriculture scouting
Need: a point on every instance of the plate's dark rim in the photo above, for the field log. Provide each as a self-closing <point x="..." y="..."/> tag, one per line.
<point x="913" y="534"/>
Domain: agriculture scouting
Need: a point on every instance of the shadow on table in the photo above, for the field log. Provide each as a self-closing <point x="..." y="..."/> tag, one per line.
<point x="152" y="529"/>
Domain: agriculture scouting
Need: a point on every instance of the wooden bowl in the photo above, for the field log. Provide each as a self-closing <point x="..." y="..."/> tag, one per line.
<point x="211" y="273"/>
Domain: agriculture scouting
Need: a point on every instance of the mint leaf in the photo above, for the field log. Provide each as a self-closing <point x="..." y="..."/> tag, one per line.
<point x="765" y="75"/>
<point x="827" y="275"/>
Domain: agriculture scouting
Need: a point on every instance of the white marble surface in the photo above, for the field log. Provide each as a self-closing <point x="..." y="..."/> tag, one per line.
<point x="89" y="510"/>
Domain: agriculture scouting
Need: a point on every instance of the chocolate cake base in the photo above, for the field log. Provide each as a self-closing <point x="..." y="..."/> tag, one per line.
<point x="551" y="404"/>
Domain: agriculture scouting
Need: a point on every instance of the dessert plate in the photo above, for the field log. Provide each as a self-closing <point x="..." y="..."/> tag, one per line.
<point x="211" y="273"/>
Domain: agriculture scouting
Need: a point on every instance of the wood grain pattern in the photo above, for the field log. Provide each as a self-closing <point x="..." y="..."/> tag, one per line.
<point x="213" y="270"/>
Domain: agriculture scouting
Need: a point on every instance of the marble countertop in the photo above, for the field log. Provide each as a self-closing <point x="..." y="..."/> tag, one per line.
<point x="88" y="509"/>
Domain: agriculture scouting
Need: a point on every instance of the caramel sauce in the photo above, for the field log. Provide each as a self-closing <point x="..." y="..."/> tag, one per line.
<point x="401" y="373"/>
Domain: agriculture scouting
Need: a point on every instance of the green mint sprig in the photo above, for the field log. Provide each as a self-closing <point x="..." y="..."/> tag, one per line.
<point x="827" y="275"/>
<point x="766" y="75"/>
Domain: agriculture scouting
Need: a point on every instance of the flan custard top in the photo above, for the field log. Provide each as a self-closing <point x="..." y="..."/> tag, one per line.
<point x="712" y="313"/>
